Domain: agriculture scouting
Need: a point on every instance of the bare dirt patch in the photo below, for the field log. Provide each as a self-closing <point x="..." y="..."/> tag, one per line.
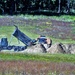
<point x="36" y="68"/>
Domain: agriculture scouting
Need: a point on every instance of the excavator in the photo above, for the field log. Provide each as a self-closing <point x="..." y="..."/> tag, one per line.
<point x="23" y="38"/>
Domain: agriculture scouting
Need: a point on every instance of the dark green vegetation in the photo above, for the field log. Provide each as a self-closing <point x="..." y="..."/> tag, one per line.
<point x="47" y="7"/>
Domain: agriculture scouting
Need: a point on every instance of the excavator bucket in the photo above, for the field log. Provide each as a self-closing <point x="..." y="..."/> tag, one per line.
<point x="23" y="38"/>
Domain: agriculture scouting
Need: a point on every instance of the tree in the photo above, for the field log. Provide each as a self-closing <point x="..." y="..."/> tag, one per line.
<point x="68" y="6"/>
<point x="59" y="6"/>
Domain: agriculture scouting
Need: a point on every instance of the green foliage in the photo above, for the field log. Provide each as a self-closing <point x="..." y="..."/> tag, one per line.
<point x="22" y="6"/>
<point x="66" y="18"/>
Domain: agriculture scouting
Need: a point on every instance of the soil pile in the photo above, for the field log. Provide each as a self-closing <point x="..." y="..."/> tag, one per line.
<point x="56" y="48"/>
<point x="38" y="48"/>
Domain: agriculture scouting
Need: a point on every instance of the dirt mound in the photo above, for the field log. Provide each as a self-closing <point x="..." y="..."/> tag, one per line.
<point x="38" y="48"/>
<point x="69" y="48"/>
<point x="62" y="48"/>
<point x="56" y="48"/>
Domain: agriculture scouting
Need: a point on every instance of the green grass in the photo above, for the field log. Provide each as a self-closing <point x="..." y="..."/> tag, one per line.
<point x="67" y="18"/>
<point x="38" y="57"/>
<point x="64" y="41"/>
<point x="7" y="31"/>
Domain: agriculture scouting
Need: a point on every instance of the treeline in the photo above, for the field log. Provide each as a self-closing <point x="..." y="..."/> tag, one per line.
<point x="30" y="6"/>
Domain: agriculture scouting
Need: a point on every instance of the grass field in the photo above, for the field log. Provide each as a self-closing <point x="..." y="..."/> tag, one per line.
<point x="7" y="31"/>
<point x="69" y="58"/>
<point x="38" y="64"/>
<point x="58" y="28"/>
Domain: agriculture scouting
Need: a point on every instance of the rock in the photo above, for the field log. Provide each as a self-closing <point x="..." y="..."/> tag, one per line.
<point x="72" y="48"/>
<point x="69" y="48"/>
<point x="38" y="48"/>
<point x="66" y="48"/>
<point x="56" y="48"/>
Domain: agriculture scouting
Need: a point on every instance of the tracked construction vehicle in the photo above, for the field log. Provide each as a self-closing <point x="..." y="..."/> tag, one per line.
<point x="4" y="45"/>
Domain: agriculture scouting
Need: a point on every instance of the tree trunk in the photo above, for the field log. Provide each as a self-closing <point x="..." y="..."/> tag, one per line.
<point x="59" y="6"/>
<point x="68" y="6"/>
<point x="12" y="7"/>
<point x="15" y="7"/>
